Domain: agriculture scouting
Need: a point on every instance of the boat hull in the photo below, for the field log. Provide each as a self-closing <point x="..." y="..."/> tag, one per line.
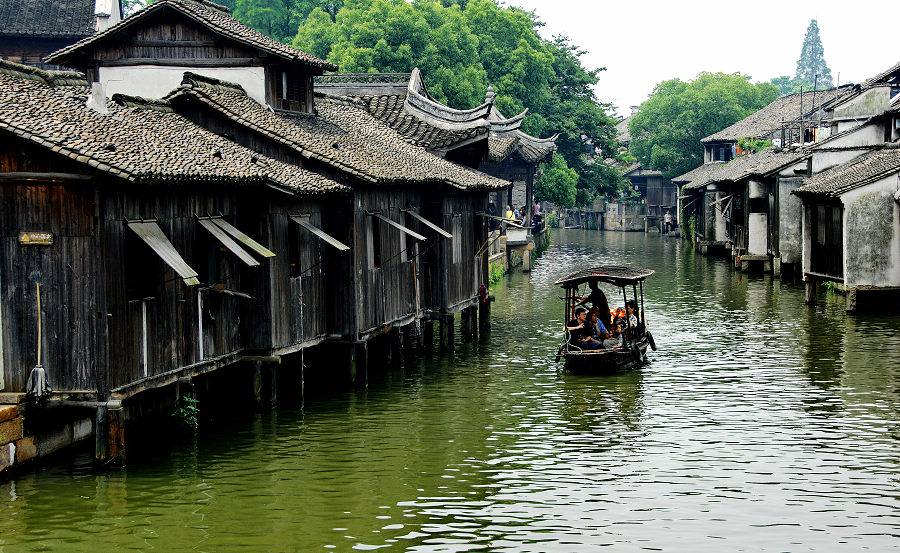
<point x="606" y="360"/>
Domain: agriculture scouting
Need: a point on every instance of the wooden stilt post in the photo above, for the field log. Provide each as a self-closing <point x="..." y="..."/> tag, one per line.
<point x="428" y="336"/>
<point x="465" y="326"/>
<point x="447" y="321"/>
<point x="396" y="348"/>
<point x="110" y="434"/>
<point x="473" y="321"/>
<point x="359" y="371"/>
<point x="812" y="291"/>
<point x="484" y="315"/>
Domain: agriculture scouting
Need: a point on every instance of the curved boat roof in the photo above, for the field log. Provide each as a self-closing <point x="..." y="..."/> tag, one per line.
<point x="613" y="274"/>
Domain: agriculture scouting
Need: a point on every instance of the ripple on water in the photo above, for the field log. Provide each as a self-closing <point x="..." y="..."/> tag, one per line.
<point x="760" y="424"/>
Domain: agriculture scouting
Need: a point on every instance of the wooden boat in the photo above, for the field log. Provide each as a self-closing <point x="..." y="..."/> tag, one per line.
<point x="633" y="350"/>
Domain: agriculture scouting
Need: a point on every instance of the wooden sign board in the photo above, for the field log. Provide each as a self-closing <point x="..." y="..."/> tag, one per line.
<point x="35" y="238"/>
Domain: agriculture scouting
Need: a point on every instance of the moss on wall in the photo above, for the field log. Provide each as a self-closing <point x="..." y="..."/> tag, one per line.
<point x="870" y="232"/>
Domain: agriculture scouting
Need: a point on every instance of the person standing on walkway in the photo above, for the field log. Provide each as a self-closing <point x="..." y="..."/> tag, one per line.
<point x="668" y="221"/>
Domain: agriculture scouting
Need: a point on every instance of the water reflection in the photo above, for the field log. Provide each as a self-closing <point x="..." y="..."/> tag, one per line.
<point x="759" y="424"/>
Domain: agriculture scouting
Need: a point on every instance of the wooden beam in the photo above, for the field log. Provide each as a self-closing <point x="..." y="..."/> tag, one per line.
<point x="173" y="43"/>
<point x="33" y="176"/>
<point x="192" y="62"/>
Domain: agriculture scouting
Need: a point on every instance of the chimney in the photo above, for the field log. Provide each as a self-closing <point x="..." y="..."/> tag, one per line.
<point x="97" y="100"/>
<point x="106" y="14"/>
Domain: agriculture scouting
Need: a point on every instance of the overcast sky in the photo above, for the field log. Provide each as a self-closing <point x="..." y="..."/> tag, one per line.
<point x="642" y="42"/>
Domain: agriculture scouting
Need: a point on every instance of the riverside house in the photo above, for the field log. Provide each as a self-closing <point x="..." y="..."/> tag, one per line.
<point x="198" y="208"/>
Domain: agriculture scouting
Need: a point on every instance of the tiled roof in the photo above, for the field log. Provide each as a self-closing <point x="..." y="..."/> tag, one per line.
<point x="861" y="171"/>
<point x="47" y="18"/>
<point x="640" y="170"/>
<point x="699" y="176"/>
<point x="786" y="108"/>
<point x="210" y="15"/>
<point x="499" y="148"/>
<point x="342" y="135"/>
<point x="423" y="121"/>
<point x="622" y="130"/>
<point x="389" y="110"/>
<point x="137" y="140"/>
<point x="760" y="163"/>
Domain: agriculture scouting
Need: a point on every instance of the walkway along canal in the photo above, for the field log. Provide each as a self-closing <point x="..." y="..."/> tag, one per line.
<point x="760" y="424"/>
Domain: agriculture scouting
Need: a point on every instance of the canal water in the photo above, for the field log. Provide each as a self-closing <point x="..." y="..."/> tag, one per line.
<point x="760" y="424"/>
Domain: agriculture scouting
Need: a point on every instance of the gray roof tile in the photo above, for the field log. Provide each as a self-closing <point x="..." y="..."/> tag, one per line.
<point x="859" y="172"/>
<point x="766" y="121"/>
<point x="47" y="18"/>
<point x="138" y="140"/>
<point x="342" y="134"/>
<point x="212" y="16"/>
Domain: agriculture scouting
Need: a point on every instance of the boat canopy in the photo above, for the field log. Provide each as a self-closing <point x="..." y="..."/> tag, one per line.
<point x="612" y="274"/>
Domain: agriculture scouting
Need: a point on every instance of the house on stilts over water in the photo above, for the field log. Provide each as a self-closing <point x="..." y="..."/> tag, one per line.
<point x="820" y="203"/>
<point x="187" y="216"/>
<point x="481" y="138"/>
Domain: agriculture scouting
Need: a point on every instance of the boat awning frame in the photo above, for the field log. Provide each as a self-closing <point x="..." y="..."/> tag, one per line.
<point x="148" y="231"/>
<point x="400" y="227"/>
<point x="319" y="233"/>
<point x="613" y="274"/>
<point x="428" y="223"/>
<point x="227" y="241"/>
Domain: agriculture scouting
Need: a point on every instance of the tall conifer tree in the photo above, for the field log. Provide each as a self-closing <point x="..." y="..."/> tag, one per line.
<point x="812" y="59"/>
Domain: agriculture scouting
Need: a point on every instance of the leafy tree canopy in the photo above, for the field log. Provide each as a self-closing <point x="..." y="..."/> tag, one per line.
<point x="462" y="46"/>
<point x="558" y="184"/>
<point x="812" y="71"/>
<point x="811" y="66"/>
<point x="667" y="129"/>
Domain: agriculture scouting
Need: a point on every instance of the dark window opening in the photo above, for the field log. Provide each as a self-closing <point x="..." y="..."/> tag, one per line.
<point x="291" y="90"/>
<point x="723" y="152"/>
<point x="144" y="270"/>
<point x="827" y="240"/>
<point x="373" y="238"/>
<point x="295" y="258"/>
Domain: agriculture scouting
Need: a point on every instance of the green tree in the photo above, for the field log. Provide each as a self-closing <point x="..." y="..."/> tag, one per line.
<point x="558" y="184"/>
<point x="667" y="129"/>
<point x="270" y="17"/>
<point x="811" y="66"/>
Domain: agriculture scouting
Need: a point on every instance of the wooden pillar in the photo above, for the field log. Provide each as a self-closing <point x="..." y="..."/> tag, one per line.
<point x="359" y="364"/>
<point x="812" y="291"/>
<point x="448" y="338"/>
<point x="396" y="348"/>
<point x="109" y="434"/>
<point x="484" y="314"/>
<point x="465" y="325"/>
<point x="473" y="321"/>
<point x="428" y="335"/>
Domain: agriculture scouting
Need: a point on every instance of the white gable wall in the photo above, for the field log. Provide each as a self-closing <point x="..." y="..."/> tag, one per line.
<point x="856" y="111"/>
<point x="872" y="234"/>
<point x="153" y="81"/>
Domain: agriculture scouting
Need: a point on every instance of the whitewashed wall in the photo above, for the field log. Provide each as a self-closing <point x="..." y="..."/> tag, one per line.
<point x="151" y="81"/>
<point x="872" y="234"/>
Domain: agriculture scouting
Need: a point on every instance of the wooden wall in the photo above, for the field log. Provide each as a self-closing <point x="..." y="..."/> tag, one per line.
<point x="469" y="234"/>
<point x="386" y="290"/>
<point x="72" y="305"/>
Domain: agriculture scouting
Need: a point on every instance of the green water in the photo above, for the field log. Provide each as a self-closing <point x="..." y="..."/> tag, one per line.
<point x="760" y="425"/>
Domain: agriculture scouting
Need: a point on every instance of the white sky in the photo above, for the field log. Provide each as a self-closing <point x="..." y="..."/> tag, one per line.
<point x="644" y="42"/>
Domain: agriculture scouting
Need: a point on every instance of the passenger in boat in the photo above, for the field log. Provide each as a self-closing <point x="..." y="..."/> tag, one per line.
<point x="579" y="331"/>
<point x="601" y="332"/>
<point x="597" y="299"/>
